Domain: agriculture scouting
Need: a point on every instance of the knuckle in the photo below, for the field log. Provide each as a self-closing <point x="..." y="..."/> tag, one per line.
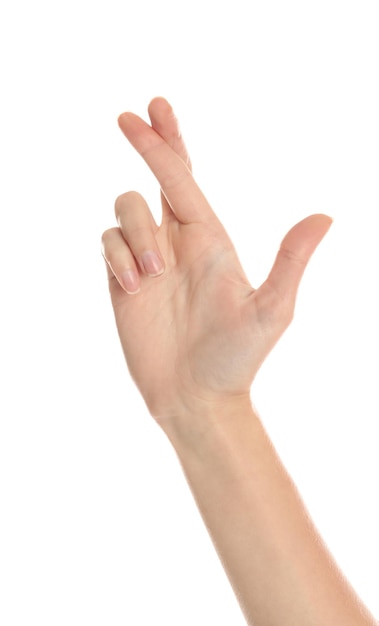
<point x="285" y="310"/>
<point x="288" y="311"/>
<point x="176" y="178"/>
<point x="289" y="255"/>
<point x="138" y="231"/>
<point x="279" y="307"/>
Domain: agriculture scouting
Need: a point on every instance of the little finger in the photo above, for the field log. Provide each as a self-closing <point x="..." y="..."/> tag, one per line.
<point x="120" y="260"/>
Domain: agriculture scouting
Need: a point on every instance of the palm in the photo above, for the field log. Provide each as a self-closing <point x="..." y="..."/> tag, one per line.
<point x="188" y="324"/>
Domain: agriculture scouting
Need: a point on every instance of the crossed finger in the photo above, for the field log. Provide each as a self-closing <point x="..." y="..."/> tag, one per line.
<point x="185" y="198"/>
<point x="164" y="121"/>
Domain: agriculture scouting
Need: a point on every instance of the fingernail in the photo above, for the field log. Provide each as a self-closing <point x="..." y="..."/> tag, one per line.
<point x="130" y="281"/>
<point x="152" y="264"/>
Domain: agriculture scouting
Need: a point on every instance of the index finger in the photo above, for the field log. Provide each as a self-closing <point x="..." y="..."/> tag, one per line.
<point x="185" y="198"/>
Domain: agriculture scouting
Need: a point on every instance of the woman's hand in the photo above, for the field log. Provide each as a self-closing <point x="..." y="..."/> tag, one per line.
<point x="193" y="330"/>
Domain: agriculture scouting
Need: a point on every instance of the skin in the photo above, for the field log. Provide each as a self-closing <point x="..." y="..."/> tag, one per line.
<point x="194" y="333"/>
<point x="201" y="314"/>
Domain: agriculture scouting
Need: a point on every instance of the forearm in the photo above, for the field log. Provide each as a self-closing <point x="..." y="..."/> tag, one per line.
<point x="277" y="564"/>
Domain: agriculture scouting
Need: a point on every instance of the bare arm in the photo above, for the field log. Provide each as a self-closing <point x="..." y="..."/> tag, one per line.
<point x="194" y="333"/>
<point x="279" y="568"/>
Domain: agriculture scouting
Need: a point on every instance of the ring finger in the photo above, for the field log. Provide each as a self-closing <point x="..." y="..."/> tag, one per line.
<point x="139" y="229"/>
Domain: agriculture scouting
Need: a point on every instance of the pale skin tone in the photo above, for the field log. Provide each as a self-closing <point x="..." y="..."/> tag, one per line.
<point x="194" y="333"/>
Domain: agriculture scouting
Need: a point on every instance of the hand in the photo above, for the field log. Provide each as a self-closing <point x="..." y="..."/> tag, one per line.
<point x="193" y="330"/>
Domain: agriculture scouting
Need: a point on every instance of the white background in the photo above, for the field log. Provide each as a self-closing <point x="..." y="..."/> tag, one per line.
<point x="278" y="102"/>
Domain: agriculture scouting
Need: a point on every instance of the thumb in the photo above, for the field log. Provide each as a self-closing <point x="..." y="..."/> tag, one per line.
<point x="295" y="251"/>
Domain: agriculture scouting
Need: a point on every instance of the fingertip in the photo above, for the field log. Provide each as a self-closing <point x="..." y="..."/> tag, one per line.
<point x="327" y="219"/>
<point x="310" y="230"/>
<point x="321" y="224"/>
<point x="162" y="116"/>
<point x="122" y="121"/>
<point x="135" y="129"/>
<point x="318" y="218"/>
<point x="159" y="103"/>
<point x="123" y="118"/>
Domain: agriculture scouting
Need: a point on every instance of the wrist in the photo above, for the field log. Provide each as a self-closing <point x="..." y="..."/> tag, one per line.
<point x="198" y="420"/>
